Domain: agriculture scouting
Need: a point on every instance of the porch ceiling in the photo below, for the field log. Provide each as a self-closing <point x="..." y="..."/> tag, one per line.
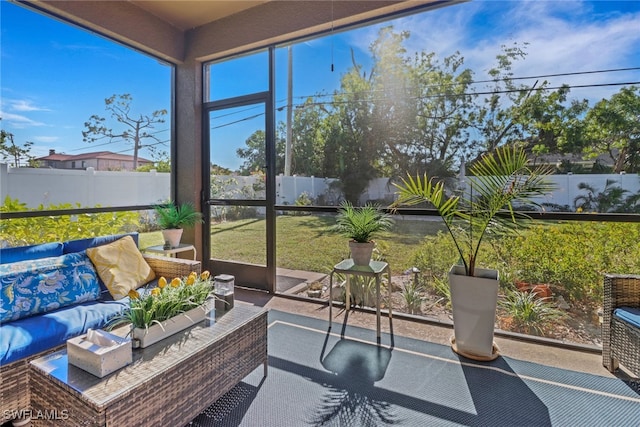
<point x="179" y="31"/>
<point x="188" y="14"/>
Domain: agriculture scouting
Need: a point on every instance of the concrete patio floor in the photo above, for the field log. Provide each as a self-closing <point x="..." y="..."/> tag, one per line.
<point x="586" y="360"/>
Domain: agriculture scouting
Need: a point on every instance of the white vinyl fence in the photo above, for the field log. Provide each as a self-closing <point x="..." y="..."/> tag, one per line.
<point x="86" y="188"/>
<point x="89" y="188"/>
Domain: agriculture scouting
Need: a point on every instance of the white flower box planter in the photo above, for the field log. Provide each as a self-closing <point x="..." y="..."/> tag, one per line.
<point x="145" y="337"/>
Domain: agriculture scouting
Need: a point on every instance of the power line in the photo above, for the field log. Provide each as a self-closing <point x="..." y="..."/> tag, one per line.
<point x="456" y="95"/>
<point x="236" y="112"/>
<point x="115" y="142"/>
<point x="576" y="73"/>
<point x="473" y="82"/>
<point x="149" y="145"/>
<point x="238" y="121"/>
<point x="495" y="92"/>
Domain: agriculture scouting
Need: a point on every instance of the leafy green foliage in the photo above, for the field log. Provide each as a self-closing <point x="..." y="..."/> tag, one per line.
<point x="165" y="301"/>
<point x="442" y="289"/>
<point x="501" y="180"/>
<point x="413" y="296"/>
<point x="570" y="257"/>
<point x="303" y="199"/>
<point x="171" y="215"/>
<point x="436" y="254"/>
<point x="161" y="163"/>
<point x="611" y="127"/>
<point x="528" y="313"/>
<point x="10" y="150"/>
<point x="361" y="223"/>
<point x="611" y="199"/>
<point x="254" y="154"/>
<point x="29" y="231"/>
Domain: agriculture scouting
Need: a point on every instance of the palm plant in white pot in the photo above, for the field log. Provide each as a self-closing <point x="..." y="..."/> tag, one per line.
<point x="173" y="218"/>
<point x="360" y="224"/>
<point x="499" y="182"/>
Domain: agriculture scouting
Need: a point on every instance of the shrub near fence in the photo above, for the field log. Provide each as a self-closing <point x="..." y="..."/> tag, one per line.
<point x="571" y="257"/>
<point x="29" y="231"/>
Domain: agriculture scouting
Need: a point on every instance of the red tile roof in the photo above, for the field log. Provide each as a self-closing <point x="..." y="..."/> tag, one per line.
<point x="107" y="155"/>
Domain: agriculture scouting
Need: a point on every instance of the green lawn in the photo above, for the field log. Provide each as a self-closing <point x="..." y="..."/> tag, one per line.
<point x="306" y="242"/>
<point x="152" y="238"/>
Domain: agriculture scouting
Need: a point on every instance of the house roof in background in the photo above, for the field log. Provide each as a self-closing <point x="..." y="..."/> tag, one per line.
<point x="105" y="155"/>
<point x="604" y="159"/>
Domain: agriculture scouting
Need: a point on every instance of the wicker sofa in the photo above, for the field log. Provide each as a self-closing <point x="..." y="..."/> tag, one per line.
<point x="621" y="323"/>
<point x="25" y="339"/>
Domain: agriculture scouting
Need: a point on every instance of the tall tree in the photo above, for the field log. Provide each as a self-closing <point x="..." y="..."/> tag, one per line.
<point x="161" y="162"/>
<point x="352" y="148"/>
<point x="444" y="103"/>
<point x="309" y="133"/>
<point x="10" y="150"/>
<point x="132" y="128"/>
<point x="392" y="100"/>
<point x="530" y="113"/>
<point x="613" y="128"/>
<point x="254" y="153"/>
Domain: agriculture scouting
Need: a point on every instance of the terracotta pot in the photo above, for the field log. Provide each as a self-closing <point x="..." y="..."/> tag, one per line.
<point x="173" y="236"/>
<point x="541" y="290"/>
<point x="361" y="252"/>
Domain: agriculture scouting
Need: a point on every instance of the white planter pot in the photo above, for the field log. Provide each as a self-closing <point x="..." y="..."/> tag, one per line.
<point x="361" y="252"/>
<point x="474" y="301"/>
<point x="145" y="337"/>
<point x="173" y="236"/>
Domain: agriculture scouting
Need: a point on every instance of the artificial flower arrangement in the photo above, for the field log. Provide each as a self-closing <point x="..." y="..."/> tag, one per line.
<point x="166" y="300"/>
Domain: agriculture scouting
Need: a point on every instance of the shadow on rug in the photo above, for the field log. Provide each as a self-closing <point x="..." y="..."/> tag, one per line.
<point x="317" y="378"/>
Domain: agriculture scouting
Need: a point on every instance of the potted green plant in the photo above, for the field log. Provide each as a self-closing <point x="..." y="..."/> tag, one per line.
<point x="499" y="182"/>
<point x="173" y="218"/>
<point x="314" y="289"/>
<point x="168" y="308"/>
<point x="359" y="224"/>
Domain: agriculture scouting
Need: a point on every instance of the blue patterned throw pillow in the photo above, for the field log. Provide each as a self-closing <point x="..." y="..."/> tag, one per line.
<point x="41" y="285"/>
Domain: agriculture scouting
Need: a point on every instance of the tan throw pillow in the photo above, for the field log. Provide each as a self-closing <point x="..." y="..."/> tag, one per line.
<point x="121" y="266"/>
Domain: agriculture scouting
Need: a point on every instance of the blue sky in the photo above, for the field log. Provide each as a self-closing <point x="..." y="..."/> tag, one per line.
<point x="55" y="76"/>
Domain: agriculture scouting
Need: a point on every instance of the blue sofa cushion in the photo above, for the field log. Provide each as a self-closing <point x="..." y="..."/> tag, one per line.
<point x="84" y="244"/>
<point x="42" y="285"/>
<point x="22" y="253"/>
<point x="32" y="335"/>
<point x="630" y="315"/>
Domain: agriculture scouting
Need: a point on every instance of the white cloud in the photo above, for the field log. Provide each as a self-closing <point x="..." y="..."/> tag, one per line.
<point x="18" y="121"/>
<point x="562" y="37"/>
<point x="24" y="105"/>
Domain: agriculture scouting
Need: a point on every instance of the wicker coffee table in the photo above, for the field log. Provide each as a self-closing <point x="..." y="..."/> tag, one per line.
<point x="168" y="383"/>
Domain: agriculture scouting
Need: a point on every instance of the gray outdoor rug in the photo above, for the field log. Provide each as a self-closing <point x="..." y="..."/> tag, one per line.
<point x="321" y="379"/>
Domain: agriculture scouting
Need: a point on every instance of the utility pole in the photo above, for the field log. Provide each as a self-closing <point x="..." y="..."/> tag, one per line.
<point x="287" y="150"/>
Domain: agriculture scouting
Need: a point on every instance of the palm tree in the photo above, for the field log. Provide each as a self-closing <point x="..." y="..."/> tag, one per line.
<point x="608" y="200"/>
<point x="499" y="182"/>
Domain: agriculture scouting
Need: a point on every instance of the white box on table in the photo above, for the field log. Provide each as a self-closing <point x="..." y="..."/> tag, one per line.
<point x="97" y="359"/>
